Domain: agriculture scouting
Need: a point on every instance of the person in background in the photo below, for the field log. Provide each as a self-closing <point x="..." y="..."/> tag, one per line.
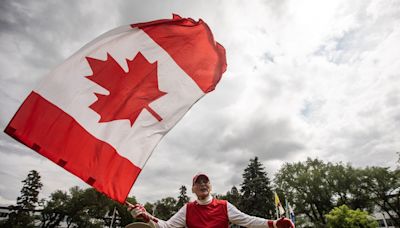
<point x="207" y="212"/>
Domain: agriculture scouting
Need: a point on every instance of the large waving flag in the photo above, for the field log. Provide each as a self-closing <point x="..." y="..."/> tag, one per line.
<point x="101" y="113"/>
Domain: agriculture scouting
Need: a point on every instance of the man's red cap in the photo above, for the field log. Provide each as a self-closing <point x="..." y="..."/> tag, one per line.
<point x="199" y="175"/>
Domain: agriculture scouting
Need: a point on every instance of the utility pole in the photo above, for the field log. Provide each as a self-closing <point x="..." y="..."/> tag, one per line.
<point x="113" y="217"/>
<point x="286" y="208"/>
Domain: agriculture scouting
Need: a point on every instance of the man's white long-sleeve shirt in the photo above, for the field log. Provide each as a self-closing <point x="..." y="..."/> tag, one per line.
<point x="235" y="216"/>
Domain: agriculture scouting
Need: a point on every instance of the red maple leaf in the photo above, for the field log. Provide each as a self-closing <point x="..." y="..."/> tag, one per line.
<point x="130" y="92"/>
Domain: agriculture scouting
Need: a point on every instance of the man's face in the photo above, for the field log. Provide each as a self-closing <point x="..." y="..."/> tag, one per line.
<point x="202" y="187"/>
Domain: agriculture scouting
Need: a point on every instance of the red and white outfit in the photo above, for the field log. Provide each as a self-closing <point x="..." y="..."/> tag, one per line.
<point x="211" y="213"/>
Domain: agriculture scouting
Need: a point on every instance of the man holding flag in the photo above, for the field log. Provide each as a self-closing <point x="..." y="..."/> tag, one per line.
<point x="207" y="212"/>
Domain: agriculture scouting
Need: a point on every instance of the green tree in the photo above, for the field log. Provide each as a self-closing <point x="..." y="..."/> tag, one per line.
<point x="55" y="210"/>
<point x="182" y="198"/>
<point x="233" y="196"/>
<point x="150" y="207"/>
<point x="316" y="187"/>
<point x="383" y="187"/>
<point x="344" y="217"/>
<point x="306" y="185"/>
<point x="97" y="205"/>
<point x="257" y="196"/>
<point x="122" y="216"/>
<point x="74" y="208"/>
<point x="23" y="213"/>
<point x="165" y="208"/>
<point x="86" y="208"/>
<point x="344" y="181"/>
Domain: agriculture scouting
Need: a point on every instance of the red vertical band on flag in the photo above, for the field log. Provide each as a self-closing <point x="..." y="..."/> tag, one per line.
<point x="54" y="134"/>
<point x="192" y="46"/>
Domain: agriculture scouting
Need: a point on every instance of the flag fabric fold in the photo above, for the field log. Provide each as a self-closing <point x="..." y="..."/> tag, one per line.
<point x="101" y="113"/>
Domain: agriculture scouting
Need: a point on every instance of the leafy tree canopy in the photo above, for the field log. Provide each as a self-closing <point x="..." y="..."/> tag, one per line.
<point x="344" y="217"/>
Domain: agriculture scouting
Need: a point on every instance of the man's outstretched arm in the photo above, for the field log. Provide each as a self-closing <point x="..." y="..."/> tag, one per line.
<point x="237" y="217"/>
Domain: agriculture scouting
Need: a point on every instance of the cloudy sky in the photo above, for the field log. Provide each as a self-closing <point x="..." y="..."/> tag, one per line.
<point x="317" y="79"/>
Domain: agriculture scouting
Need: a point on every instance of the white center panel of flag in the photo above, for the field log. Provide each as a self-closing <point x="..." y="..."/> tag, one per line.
<point x="78" y="93"/>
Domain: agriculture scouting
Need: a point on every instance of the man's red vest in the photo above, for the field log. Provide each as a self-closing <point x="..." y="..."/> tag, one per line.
<point x="212" y="215"/>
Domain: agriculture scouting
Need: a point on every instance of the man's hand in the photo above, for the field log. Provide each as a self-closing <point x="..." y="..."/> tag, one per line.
<point x="139" y="212"/>
<point x="281" y="223"/>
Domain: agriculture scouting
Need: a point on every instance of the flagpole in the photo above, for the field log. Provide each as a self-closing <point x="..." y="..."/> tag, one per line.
<point x="276" y="208"/>
<point x="286" y="207"/>
<point x="113" y="217"/>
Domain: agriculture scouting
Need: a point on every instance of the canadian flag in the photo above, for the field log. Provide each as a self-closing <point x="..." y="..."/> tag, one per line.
<point x="101" y="113"/>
